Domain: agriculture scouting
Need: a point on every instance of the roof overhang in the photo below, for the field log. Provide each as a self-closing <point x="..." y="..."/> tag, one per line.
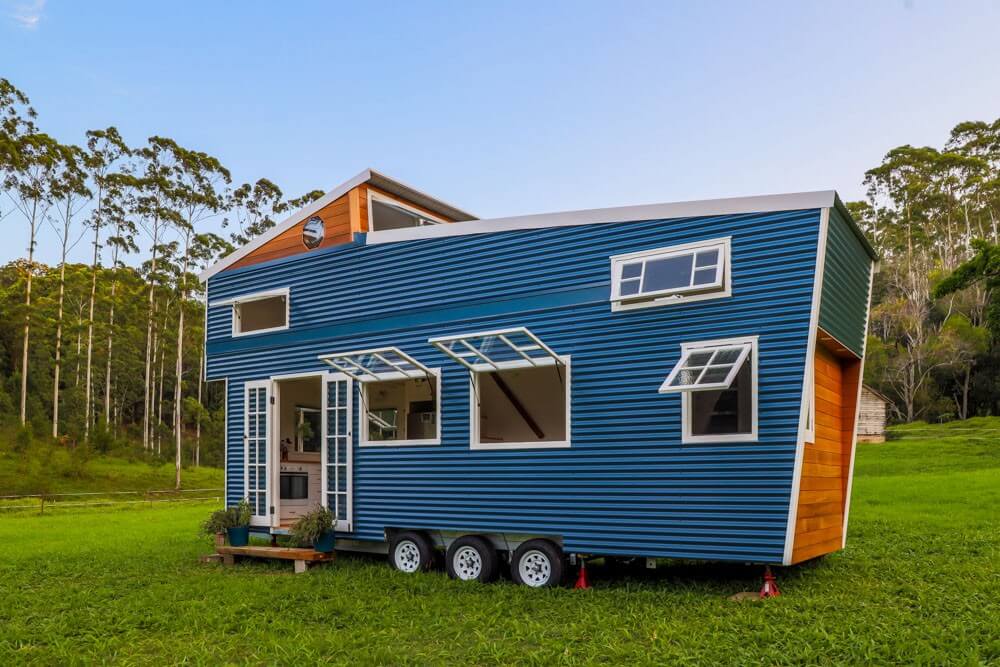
<point x="370" y="176"/>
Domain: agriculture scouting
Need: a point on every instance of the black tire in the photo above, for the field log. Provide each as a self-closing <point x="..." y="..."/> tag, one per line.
<point x="544" y="564"/>
<point x="472" y="558"/>
<point x="411" y="552"/>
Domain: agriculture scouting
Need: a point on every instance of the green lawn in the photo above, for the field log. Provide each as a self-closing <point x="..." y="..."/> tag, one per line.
<point x="918" y="583"/>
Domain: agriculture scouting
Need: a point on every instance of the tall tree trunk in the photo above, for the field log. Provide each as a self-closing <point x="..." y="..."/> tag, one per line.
<point x="149" y="340"/>
<point x="178" y="371"/>
<point x="111" y="332"/>
<point x="159" y="406"/>
<point x="94" y="266"/>
<point x="27" y="313"/>
<point x="59" y="323"/>
<point x="197" y="426"/>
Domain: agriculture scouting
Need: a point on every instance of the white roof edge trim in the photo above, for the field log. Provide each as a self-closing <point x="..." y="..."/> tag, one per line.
<point x="688" y="209"/>
<point x="252" y="296"/>
<point x="310" y="209"/>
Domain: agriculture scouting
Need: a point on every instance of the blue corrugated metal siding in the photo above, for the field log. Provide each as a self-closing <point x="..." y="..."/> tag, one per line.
<point x="627" y="485"/>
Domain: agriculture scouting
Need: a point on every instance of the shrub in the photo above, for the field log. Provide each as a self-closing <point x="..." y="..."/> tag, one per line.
<point x="24" y="437"/>
<point x="222" y="520"/>
<point x="311" y="526"/>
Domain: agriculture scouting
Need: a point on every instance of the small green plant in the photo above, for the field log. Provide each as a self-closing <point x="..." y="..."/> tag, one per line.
<point x="222" y="520"/>
<point x="311" y="526"/>
<point x="24" y="437"/>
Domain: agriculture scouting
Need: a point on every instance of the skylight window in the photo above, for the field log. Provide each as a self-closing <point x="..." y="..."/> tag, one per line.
<point x="678" y="273"/>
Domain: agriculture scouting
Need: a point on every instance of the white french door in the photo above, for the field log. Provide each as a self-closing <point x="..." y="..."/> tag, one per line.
<point x="256" y="451"/>
<point x="338" y="470"/>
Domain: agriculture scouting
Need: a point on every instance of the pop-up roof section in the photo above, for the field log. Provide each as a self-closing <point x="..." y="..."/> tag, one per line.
<point x="381" y="182"/>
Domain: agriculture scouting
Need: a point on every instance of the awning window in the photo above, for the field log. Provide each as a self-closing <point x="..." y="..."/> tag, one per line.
<point x="384" y="363"/>
<point x="706" y="368"/>
<point x="497" y="350"/>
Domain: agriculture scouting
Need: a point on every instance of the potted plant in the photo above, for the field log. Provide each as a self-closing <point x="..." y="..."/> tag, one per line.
<point x="239" y="524"/>
<point x="217" y="524"/>
<point x="232" y="522"/>
<point x="315" y="528"/>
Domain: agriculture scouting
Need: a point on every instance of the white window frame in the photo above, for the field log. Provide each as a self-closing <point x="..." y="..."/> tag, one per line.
<point x="752" y="436"/>
<point x="474" y="383"/>
<point x="409" y="442"/>
<point x="236" y="301"/>
<point x="377" y="196"/>
<point x="678" y="294"/>
<point x="482" y="362"/>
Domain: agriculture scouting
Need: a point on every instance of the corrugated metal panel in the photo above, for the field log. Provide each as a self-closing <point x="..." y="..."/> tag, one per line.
<point x="846" y="274"/>
<point x="627" y="485"/>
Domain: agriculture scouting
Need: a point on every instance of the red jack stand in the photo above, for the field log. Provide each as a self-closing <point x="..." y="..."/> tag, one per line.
<point x="770" y="589"/>
<point x="581" y="580"/>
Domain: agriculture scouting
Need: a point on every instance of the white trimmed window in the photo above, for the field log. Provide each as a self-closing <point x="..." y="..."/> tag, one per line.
<point x="689" y="272"/>
<point x="519" y="389"/>
<point x="261" y="312"/>
<point x="400" y="397"/>
<point x="717" y="381"/>
<point x="387" y="213"/>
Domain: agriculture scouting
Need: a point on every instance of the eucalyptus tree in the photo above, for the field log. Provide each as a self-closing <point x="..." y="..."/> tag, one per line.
<point x="31" y="189"/>
<point x="105" y="149"/>
<point x="16" y="120"/>
<point x="71" y="194"/>
<point x="200" y="179"/>
<point x="116" y="207"/>
<point x="155" y="191"/>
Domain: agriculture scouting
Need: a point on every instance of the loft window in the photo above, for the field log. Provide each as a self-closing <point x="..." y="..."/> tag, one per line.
<point x="717" y="381"/>
<point x="400" y="397"/>
<point x="258" y="313"/>
<point x="385" y="213"/>
<point x="688" y="272"/>
<point x="520" y="389"/>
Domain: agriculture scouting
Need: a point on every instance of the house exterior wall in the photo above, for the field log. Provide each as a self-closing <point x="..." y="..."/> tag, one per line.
<point x="872" y="417"/>
<point x="627" y="485"/>
<point x="844" y="305"/>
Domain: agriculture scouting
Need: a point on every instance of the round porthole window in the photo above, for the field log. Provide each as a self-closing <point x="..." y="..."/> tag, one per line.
<point x="312" y="232"/>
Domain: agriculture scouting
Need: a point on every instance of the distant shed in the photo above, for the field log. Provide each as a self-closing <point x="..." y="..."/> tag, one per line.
<point x="872" y="417"/>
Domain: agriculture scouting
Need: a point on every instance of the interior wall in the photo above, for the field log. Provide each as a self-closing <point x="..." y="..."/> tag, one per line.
<point x="304" y="392"/>
<point x="542" y="393"/>
<point x="263" y="314"/>
<point x="398" y="394"/>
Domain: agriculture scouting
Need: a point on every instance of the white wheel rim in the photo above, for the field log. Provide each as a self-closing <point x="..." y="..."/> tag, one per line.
<point x="407" y="557"/>
<point x="468" y="564"/>
<point x="535" y="568"/>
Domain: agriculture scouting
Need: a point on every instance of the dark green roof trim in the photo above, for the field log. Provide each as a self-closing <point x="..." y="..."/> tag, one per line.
<point x="839" y="206"/>
<point x="847" y="272"/>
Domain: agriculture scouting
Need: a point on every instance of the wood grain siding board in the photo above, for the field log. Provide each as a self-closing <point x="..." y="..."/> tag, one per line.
<point x="337" y="230"/>
<point x="819" y="522"/>
<point x="341" y="219"/>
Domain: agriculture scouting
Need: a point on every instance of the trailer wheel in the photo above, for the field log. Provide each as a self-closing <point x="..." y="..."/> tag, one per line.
<point x="538" y="563"/>
<point x="472" y="558"/>
<point x="411" y="552"/>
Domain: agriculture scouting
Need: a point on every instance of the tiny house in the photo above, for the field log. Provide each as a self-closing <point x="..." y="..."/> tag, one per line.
<point x="660" y="381"/>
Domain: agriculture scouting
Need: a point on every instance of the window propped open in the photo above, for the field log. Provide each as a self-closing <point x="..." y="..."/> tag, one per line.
<point x="386" y="213"/>
<point x="706" y="368"/>
<point x="498" y="350"/>
<point x="384" y="363"/>
<point x="400" y="397"/>
<point x="717" y="381"/>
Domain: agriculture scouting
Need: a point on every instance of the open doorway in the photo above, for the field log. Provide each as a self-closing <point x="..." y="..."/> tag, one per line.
<point x="299" y="434"/>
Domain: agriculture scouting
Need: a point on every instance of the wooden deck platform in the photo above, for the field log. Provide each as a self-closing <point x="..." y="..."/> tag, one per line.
<point x="302" y="558"/>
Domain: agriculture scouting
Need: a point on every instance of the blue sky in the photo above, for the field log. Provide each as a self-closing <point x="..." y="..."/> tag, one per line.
<point x="509" y="108"/>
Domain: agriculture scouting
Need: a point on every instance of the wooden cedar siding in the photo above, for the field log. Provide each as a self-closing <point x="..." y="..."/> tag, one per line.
<point x="826" y="465"/>
<point x="337" y="223"/>
<point x="342" y="218"/>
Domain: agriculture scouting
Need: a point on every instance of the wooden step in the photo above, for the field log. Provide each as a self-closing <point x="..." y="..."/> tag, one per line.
<point x="302" y="558"/>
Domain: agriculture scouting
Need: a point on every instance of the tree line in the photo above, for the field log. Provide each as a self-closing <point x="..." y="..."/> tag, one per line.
<point x="933" y="215"/>
<point x="114" y="347"/>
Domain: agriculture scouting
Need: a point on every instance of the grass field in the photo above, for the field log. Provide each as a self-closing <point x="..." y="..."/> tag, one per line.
<point x="918" y="584"/>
